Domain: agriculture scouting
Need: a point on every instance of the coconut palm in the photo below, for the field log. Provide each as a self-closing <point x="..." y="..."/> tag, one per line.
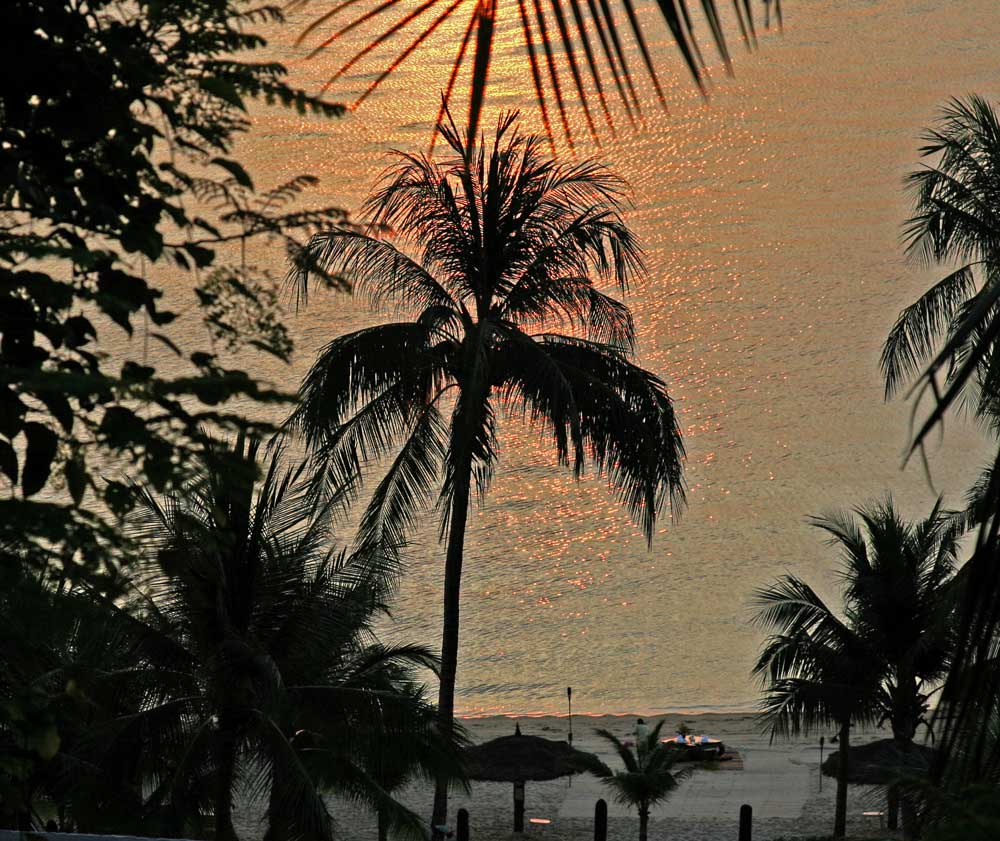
<point x="262" y="676"/>
<point x="816" y="672"/>
<point x="503" y="315"/>
<point x="947" y="342"/>
<point x="893" y="647"/>
<point x="649" y="776"/>
<point x="900" y="587"/>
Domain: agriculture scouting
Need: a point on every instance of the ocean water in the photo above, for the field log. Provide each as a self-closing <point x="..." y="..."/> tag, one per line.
<point x="771" y="218"/>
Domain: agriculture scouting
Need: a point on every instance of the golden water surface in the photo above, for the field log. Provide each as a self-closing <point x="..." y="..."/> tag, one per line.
<point x="771" y="217"/>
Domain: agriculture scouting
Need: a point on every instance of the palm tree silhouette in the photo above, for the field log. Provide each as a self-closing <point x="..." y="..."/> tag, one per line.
<point x="511" y="246"/>
<point x="261" y="670"/>
<point x="946" y="343"/>
<point x="648" y="777"/>
<point x="889" y="653"/>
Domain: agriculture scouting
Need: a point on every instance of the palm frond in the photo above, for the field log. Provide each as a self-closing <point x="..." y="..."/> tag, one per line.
<point x="624" y="420"/>
<point x="407" y="484"/>
<point x="953" y="329"/>
<point x="565" y="36"/>
<point x="921" y="325"/>
<point x="627" y="757"/>
<point x="378" y="270"/>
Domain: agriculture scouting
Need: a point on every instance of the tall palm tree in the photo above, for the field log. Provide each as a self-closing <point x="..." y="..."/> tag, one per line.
<point x="648" y="777"/>
<point x="893" y="647"/>
<point x="900" y="583"/>
<point x="816" y="672"/>
<point x="511" y="246"/>
<point x="261" y="671"/>
<point x="947" y="342"/>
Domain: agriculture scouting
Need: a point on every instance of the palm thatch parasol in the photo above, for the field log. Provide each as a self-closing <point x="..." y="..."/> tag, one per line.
<point x="519" y="758"/>
<point x="881" y="763"/>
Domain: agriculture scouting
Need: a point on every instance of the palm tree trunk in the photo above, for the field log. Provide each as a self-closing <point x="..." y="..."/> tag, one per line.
<point x="225" y="774"/>
<point x="907" y="807"/>
<point x="911" y="827"/>
<point x="840" y="820"/>
<point x="906" y="707"/>
<point x="383" y="825"/>
<point x="892" y="821"/>
<point x="643" y="823"/>
<point x="449" y="631"/>
<point x="468" y="417"/>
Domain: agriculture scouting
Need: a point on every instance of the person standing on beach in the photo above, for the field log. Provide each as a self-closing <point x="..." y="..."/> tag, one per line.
<point x="641" y="735"/>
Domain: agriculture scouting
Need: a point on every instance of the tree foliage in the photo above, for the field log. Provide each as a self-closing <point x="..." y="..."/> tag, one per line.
<point x="880" y="657"/>
<point x="649" y="775"/>
<point x="500" y="312"/>
<point x="117" y="126"/>
<point x="946" y="345"/>
<point x="240" y="663"/>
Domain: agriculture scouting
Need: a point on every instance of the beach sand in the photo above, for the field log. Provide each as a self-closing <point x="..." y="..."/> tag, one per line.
<point x="780" y="781"/>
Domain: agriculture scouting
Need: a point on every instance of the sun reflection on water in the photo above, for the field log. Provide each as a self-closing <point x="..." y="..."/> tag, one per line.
<point x="770" y="219"/>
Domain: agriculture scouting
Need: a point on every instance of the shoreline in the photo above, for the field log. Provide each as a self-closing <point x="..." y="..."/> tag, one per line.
<point x="722" y="712"/>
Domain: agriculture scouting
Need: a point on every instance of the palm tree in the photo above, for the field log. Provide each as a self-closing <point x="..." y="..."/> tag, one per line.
<point x="261" y="671"/>
<point x="901" y="588"/>
<point x="891" y="651"/>
<point x="816" y="672"/>
<point x="947" y="341"/>
<point x="648" y="777"/>
<point x="511" y="247"/>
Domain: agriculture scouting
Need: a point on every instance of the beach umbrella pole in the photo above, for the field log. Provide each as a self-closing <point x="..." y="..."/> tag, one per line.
<point x="519" y="806"/>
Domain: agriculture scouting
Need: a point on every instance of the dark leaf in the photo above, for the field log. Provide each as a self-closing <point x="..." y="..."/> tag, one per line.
<point x="39" y="454"/>
<point x="76" y="478"/>
<point x="234" y="169"/>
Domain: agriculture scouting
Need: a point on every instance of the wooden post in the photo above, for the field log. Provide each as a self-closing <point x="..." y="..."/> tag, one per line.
<point x="519" y="807"/>
<point x="462" y="830"/>
<point x="746" y="822"/>
<point x="601" y="821"/>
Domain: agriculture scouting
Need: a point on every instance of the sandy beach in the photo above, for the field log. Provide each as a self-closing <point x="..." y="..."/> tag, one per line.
<point x="780" y="781"/>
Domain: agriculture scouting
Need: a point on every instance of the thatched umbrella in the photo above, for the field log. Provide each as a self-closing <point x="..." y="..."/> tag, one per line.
<point x="519" y="758"/>
<point x="881" y="763"/>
